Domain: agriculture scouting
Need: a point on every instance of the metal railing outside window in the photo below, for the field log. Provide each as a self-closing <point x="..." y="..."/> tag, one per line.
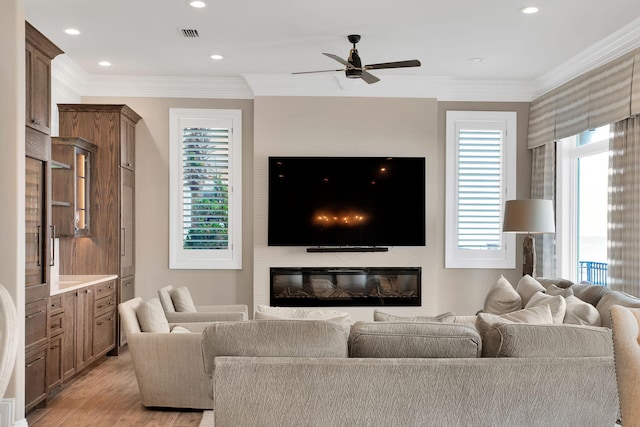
<point x="594" y="272"/>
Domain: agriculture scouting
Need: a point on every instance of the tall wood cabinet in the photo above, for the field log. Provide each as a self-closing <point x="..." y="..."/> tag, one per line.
<point x="111" y="248"/>
<point x="38" y="234"/>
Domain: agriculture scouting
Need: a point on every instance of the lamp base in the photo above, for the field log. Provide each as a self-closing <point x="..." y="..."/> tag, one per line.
<point x="529" y="256"/>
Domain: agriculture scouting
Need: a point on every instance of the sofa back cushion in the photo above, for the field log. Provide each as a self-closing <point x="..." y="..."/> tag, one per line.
<point x="590" y="293"/>
<point x="277" y="338"/>
<point x="529" y="340"/>
<point x="618" y="298"/>
<point x="413" y="340"/>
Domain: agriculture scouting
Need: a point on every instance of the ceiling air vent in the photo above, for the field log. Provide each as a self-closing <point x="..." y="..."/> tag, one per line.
<point x="189" y="33"/>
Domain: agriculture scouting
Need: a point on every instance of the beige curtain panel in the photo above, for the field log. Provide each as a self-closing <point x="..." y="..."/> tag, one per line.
<point x="605" y="95"/>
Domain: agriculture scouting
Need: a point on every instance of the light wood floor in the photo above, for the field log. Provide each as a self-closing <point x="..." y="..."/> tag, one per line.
<point x="107" y="395"/>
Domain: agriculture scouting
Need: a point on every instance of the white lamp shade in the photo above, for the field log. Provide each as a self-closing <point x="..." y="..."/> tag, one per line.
<point x="528" y="216"/>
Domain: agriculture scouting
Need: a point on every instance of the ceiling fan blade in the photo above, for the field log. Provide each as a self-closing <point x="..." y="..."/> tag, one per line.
<point x="319" y="71"/>
<point x="397" y="64"/>
<point x="369" y="78"/>
<point x="340" y="60"/>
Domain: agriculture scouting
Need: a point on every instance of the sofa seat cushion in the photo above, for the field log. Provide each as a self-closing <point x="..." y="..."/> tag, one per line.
<point x="528" y="340"/>
<point x="413" y="340"/>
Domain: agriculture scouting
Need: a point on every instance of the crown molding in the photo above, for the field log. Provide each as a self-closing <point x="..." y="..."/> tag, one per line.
<point x="442" y="88"/>
<point x="69" y="73"/>
<point x="168" y="87"/>
<point x="623" y="41"/>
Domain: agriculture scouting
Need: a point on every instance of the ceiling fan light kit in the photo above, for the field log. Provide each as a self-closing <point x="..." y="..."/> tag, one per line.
<point x="353" y="65"/>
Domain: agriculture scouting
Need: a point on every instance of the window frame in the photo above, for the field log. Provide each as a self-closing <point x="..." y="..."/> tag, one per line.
<point x="506" y="122"/>
<point x="179" y="258"/>
<point x="569" y="154"/>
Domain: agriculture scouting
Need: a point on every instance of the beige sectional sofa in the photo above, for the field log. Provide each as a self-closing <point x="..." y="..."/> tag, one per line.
<point x="416" y="373"/>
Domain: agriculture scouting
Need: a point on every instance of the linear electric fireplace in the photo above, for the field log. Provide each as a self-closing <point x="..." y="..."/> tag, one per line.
<point x="352" y="286"/>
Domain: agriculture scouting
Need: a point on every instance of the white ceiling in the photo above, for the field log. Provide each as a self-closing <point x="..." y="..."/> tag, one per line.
<point x="268" y="40"/>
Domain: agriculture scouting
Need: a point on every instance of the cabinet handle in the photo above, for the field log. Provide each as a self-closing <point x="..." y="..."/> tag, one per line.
<point x="53" y="347"/>
<point x="38" y="244"/>
<point x="53" y="245"/>
<point x="123" y="240"/>
<point x="37" y="313"/>
<point x="35" y="361"/>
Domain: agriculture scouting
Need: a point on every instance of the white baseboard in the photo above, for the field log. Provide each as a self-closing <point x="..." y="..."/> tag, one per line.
<point x="8" y="413"/>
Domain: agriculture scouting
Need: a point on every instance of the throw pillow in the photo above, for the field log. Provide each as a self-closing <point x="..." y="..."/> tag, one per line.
<point x="502" y="298"/>
<point x="180" y="330"/>
<point x="182" y="301"/>
<point x="556" y="303"/>
<point x="581" y="313"/>
<point x="527" y="287"/>
<point x="380" y="316"/>
<point x="555" y="290"/>
<point x="534" y="315"/>
<point x="151" y="317"/>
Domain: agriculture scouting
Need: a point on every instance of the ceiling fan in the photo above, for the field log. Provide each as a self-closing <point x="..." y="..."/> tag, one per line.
<point x="354" y="68"/>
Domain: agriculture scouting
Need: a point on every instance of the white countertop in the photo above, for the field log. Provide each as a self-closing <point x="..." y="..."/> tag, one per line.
<point x="72" y="282"/>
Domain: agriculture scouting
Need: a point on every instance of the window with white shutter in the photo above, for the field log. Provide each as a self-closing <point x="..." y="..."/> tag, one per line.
<point x="481" y="161"/>
<point x="205" y="197"/>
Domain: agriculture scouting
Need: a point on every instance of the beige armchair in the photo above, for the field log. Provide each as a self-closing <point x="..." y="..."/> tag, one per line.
<point x="8" y="338"/>
<point x="168" y="365"/>
<point x="179" y="307"/>
<point x="625" y="324"/>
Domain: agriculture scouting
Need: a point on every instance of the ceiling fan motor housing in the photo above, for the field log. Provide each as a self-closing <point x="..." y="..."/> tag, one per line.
<point x="354" y="60"/>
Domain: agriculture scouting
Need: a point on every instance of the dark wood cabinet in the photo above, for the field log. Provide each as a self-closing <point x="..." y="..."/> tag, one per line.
<point x="71" y="186"/>
<point x="112" y="247"/>
<point x="39" y="52"/>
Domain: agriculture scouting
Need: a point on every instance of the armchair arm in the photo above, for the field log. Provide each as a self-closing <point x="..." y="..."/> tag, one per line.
<point x="170" y="370"/>
<point x="193" y="317"/>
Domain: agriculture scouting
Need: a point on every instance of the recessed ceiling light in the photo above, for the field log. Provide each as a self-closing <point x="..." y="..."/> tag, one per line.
<point x="72" y="31"/>
<point x="529" y="10"/>
<point x="478" y="59"/>
<point x="104" y="64"/>
<point x="217" y="57"/>
<point x="197" y="3"/>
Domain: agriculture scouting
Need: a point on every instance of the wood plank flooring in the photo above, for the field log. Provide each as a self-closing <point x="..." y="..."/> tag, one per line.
<point x="107" y="395"/>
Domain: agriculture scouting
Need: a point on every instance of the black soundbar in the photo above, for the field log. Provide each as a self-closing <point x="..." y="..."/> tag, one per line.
<point x="319" y="249"/>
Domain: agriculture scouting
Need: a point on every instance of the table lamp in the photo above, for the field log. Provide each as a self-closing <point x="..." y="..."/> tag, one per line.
<point x="530" y="216"/>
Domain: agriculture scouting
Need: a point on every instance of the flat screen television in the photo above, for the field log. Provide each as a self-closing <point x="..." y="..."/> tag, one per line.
<point x="346" y="201"/>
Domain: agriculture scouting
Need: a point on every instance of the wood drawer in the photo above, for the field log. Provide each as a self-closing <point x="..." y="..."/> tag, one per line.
<point x="55" y="305"/>
<point x="56" y="324"/>
<point x="35" y="377"/>
<point x="33" y="293"/>
<point x="35" y="324"/>
<point x="104" y="333"/>
<point x="106" y="288"/>
<point x="104" y="305"/>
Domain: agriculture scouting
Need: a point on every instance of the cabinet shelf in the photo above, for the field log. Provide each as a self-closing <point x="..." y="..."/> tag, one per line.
<point x="59" y="165"/>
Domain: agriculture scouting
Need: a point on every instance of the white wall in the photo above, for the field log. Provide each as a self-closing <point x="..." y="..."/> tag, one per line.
<point x="373" y="127"/>
<point x="12" y="116"/>
<point x="152" y="204"/>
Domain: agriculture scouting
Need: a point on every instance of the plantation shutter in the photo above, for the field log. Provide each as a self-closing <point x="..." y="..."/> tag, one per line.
<point x="205" y="188"/>
<point x="479" y="192"/>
